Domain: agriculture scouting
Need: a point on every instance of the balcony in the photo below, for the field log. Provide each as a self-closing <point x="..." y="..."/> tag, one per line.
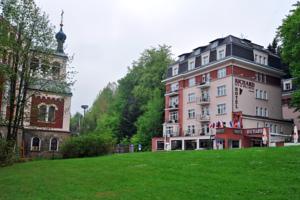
<point x="172" y="107"/>
<point x="203" y="118"/>
<point x="170" y="130"/>
<point x="172" y="93"/>
<point x="204" y="85"/>
<point x="203" y="100"/>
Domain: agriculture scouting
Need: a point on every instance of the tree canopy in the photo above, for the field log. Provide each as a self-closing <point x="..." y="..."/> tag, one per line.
<point x="289" y="33"/>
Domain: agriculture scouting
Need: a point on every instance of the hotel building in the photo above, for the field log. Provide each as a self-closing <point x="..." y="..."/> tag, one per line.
<point x="224" y="95"/>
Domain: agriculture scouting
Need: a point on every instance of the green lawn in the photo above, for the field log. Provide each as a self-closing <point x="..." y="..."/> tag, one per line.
<point x="257" y="173"/>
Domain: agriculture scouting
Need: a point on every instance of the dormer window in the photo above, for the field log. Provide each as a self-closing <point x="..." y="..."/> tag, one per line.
<point x="175" y="70"/>
<point x="191" y="64"/>
<point x="221" y="52"/>
<point x="214" y="44"/>
<point x="197" y="52"/>
<point x="205" y="58"/>
<point x="181" y="58"/>
<point x="260" y="58"/>
<point x="287" y="85"/>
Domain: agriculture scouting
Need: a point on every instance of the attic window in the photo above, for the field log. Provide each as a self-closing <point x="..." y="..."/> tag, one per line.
<point x="181" y="58"/>
<point x="214" y="44"/>
<point x="197" y="52"/>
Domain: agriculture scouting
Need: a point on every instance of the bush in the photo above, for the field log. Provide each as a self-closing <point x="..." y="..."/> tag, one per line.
<point x="87" y="146"/>
<point x="6" y="153"/>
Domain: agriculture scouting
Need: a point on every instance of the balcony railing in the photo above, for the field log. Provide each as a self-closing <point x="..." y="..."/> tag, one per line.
<point x="204" y="85"/>
<point x="203" y="100"/>
<point x="172" y="93"/>
<point x="203" y="118"/>
<point x="172" y="107"/>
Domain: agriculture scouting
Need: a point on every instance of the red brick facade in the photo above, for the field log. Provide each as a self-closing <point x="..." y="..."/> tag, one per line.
<point x="59" y="112"/>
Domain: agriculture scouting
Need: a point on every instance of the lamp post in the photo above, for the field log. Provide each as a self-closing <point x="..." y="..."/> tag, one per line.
<point x="84" y="107"/>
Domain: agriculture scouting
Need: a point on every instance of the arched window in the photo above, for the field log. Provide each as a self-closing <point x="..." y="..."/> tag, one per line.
<point x="53" y="144"/>
<point x="51" y="114"/>
<point x="34" y="65"/>
<point x="42" y="113"/>
<point x="55" y="69"/>
<point x="35" y="144"/>
<point x="45" y="67"/>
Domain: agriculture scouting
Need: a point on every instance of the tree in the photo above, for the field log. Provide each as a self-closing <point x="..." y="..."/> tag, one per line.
<point x="25" y="34"/>
<point x="75" y="123"/>
<point x="289" y="33"/>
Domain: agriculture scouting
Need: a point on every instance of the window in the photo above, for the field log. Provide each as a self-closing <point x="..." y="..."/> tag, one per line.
<point x="265" y="95"/>
<point x="261" y="112"/>
<point x="197" y="52"/>
<point x="221" y="52"/>
<point x="192" y="82"/>
<point x="257" y="93"/>
<point x="55" y="69"/>
<point x="53" y="144"/>
<point x="174" y="116"/>
<point x="221" y="90"/>
<point x="214" y="44"/>
<point x="221" y="109"/>
<point x="191" y="64"/>
<point x="287" y="86"/>
<point x="191" y="114"/>
<point x="169" y="129"/>
<point x="175" y="70"/>
<point x="191" y="129"/>
<point x="257" y="111"/>
<point x="205" y="111"/>
<point x="181" y="58"/>
<point x="205" y="129"/>
<point x="266" y="112"/>
<point x="35" y="144"/>
<point x="260" y="57"/>
<point x="174" y="87"/>
<point x="173" y="102"/>
<point x="205" y="58"/>
<point x="46" y="113"/>
<point x="42" y="113"/>
<point x="191" y="97"/>
<point x="260" y="94"/>
<point x="51" y="114"/>
<point x="222" y="73"/>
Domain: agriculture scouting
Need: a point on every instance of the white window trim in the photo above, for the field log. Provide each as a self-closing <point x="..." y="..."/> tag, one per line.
<point x="51" y="141"/>
<point x="40" y="141"/>
<point x="175" y="70"/>
<point x="218" y="109"/>
<point x="47" y="111"/>
<point x="221" y="48"/>
<point x="193" y="66"/>
<point x="262" y="55"/>
<point x="223" y="69"/>
<point x="225" y="92"/>
<point x="204" y="55"/>
<point x="194" y="81"/>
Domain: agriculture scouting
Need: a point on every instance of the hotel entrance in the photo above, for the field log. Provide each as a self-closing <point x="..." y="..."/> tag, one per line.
<point x="256" y="142"/>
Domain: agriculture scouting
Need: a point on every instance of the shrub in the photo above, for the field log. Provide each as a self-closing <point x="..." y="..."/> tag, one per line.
<point x="87" y="146"/>
<point x="6" y="153"/>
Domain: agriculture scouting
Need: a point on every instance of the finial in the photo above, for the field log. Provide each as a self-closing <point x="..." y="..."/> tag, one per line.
<point x="61" y="18"/>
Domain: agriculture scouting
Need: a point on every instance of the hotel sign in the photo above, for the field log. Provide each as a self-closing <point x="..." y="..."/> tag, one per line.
<point x="254" y="131"/>
<point x="244" y="84"/>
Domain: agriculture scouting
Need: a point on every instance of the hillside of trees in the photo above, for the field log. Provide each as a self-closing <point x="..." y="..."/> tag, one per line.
<point x="130" y="110"/>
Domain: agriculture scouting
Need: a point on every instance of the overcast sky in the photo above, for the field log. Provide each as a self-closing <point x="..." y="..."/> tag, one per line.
<point x="105" y="36"/>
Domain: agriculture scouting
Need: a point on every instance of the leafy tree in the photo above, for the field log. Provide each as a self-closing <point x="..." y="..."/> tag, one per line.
<point x="289" y="33"/>
<point x="150" y="123"/>
<point x="75" y="123"/>
<point x="99" y="108"/>
<point x="25" y="32"/>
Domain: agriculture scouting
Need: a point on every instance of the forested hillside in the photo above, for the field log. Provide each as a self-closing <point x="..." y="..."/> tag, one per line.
<point x="132" y="109"/>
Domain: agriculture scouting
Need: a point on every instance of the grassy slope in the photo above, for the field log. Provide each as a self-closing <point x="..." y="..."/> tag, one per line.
<point x="235" y="174"/>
